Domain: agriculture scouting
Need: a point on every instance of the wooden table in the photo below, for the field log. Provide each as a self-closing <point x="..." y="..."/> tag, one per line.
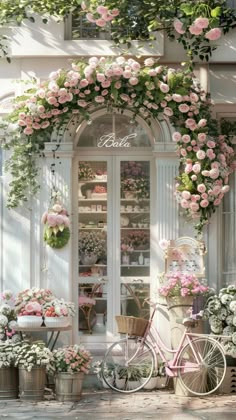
<point x="53" y="330"/>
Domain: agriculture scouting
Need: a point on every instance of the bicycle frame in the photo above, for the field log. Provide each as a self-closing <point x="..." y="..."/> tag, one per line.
<point x="153" y="338"/>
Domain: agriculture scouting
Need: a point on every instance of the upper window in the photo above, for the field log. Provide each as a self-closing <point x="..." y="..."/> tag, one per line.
<point x="114" y="131"/>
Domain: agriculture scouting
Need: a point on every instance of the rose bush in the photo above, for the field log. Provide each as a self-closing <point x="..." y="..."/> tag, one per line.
<point x="151" y="91"/>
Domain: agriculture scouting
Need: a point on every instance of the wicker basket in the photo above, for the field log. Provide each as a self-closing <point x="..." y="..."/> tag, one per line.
<point x="131" y="325"/>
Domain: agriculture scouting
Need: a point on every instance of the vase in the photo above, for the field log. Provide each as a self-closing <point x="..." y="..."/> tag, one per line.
<point x="129" y="195"/>
<point x="68" y="386"/>
<point x="32" y="384"/>
<point x="9" y="383"/>
<point x="88" y="259"/>
<point x="125" y="259"/>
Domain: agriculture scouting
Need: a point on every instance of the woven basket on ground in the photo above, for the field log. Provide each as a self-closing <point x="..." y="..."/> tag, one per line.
<point x="131" y="325"/>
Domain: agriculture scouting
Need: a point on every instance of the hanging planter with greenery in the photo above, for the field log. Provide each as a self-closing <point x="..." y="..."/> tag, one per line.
<point x="56" y="230"/>
<point x="148" y="90"/>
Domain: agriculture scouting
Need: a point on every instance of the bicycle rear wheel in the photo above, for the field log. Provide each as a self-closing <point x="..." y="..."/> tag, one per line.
<point x="124" y="363"/>
<point x="204" y="366"/>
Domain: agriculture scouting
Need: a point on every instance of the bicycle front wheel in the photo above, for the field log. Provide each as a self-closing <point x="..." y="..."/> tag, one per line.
<point x="203" y="366"/>
<point x="125" y="362"/>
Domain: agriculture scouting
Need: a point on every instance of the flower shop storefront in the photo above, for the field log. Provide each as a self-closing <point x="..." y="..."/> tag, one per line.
<point x="117" y="202"/>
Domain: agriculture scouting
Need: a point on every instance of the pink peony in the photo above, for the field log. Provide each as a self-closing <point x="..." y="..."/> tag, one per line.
<point x="213" y="34"/>
<point x="52" y="220"/>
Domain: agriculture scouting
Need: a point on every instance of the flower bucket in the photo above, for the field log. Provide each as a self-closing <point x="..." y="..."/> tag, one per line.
<point x="9" y="383"/>
<point x="32" y="384"/>
<point x="68" y="387"/>
<point x="29" y="321"/>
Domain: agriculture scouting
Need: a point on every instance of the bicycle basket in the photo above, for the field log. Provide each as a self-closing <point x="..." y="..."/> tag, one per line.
<point x="131" y="325"/>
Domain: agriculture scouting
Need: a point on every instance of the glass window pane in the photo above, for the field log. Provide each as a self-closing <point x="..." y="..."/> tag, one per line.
<point x="92" y="198"/>
<point x="114" y="131"/>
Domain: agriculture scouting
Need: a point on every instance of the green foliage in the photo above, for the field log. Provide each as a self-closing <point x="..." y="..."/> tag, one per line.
<point x="57" y="241"/>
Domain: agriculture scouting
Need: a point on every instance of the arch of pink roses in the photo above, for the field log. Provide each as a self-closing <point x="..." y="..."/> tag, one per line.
<point x="149" y="90"/>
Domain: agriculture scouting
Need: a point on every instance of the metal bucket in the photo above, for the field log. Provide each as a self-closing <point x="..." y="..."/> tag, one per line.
<point x="8" y="383"/>
<point x="68" y="386"/>
<point x="32" y="384"/>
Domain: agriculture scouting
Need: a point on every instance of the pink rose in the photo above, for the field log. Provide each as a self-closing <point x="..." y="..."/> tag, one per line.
<point x="225" y="189"/>
<point x="211" y="144"/>
<point x="202" y="122"/>
<point x="178" y="25"/>
<point x="184" y="203"/>
<point x="102" y="10"/>
<point x="201" y="188"/>
<point x="204" y="203"/>
<point x="100" y="22"/>
<point x="194" y="177"/>
<point x="28" y="131"/>
<point x="201" y="137"/>
<point x="177" y="98"/>
<point x="217" y="201"/>
<point x="183" y="108"/>
<point x="149" y="62"/>
<point x="214" y="173"/>
<point x="133" y="81"/>
<point x="196" y="168"/>
<point x="186" y="138"/>
<point x="33" y="307"/>
<point x="52" y="220"/>
<point x="195" y="30"/>
<point x="201" y="22"/>
<point x="200" y="154"/>
<point x="90" y="17"/>
<point x="194" y="97"/>
<point x="176" y="136"/>
<point x="194" y="206"/>
<point x="186" y="195"/>
<point x="99" y="99"/>
<point x="164" y="87"/>
<point x="168" y="111"/>
<point x="213" y="34"/>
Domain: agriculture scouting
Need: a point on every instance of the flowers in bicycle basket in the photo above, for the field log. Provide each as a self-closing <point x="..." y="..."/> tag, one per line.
<point x="56" y="231"/>
<point x="220" y="310"/>
<point x="180" y="284"/>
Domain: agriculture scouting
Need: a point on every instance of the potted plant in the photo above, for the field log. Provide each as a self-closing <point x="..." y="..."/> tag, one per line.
<point x="220" y="310"/>
<point x="8" y="373"/>
<point x="152" y="383"/>
<point x="108" y="370"/>
<point x="92" y="246"/>
<point x="28" y="306"/>
<point x="58" y="312"/>
<point x="32" y="359"/>
<point x="69" y="364"/>
<point x="7" y="315"/>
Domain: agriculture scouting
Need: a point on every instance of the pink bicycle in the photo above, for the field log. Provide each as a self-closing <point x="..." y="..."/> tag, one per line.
<point x="199" y="361"/>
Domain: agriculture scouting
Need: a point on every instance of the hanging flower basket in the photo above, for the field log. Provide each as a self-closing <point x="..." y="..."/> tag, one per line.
<point x="59" y="240"/>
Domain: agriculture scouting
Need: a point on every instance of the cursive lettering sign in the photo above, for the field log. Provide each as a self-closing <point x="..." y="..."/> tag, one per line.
<point x="110" y="140"/>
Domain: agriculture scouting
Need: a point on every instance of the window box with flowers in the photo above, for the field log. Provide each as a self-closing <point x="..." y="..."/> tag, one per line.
<point x="69" y="364"/>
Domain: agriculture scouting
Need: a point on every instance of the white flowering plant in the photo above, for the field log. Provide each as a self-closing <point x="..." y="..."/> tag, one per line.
<point x="29" y="355"/>
<point x="7" y="315"/>
<point x="8" y="353"/>
<point x="221" y="312"/>
<point x="71" y="359"/>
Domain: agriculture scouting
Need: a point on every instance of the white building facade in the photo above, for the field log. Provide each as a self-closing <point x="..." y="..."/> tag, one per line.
<point x="114" y="284"/>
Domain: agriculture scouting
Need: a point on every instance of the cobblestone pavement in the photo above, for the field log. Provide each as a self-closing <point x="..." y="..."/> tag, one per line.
<point x="105" y="404"/>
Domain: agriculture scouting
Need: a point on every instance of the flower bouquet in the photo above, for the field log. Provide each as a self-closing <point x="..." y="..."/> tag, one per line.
<point x="57" y="312"/>
<point x="85" y="172"/>
<point x="56" y="230"/>
<point x="182" y="285"/>
<point x="7" y="316"/>
<point x="220" y="311"/>
<point x="91" y="247"/>
<point x="30" y="355"/>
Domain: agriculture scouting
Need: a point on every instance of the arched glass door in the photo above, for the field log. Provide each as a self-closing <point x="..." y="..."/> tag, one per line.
<point x="114" y="219"/>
